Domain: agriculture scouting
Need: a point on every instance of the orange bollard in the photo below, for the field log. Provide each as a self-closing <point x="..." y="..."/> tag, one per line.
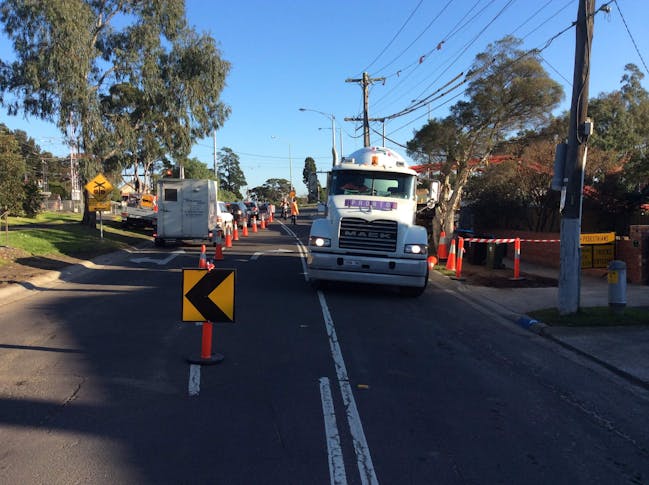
<point x="442" y="249"/>
<point x="450" y="262"/>
<point x="460" y="256"/>
<point x="202" y="262"/>
<point x="254" y="224"/>
<point x="517" y="260"/>
<point x="245" y="228"/>
<point x="235" y="233"/>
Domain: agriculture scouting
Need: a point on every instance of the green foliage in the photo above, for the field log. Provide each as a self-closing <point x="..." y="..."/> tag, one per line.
<point x="33" y="199"/>
<point x="272" y="190"/>
<point x="310" y="179"/>
<point x="132" y="77"/>
<point x="195" y="169"/>
<point x="12" y="172"/>
<point x="508" y="91"/>
<point x="231" y="177"/>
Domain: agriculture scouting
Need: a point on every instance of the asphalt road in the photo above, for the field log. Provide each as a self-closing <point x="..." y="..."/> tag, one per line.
<point x="348" y="385"/>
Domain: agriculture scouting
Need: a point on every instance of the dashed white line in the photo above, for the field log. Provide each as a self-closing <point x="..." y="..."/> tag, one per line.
<point x="194" y="379"/>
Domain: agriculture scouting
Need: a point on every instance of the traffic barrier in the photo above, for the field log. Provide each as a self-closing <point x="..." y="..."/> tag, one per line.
<point x="459" y="257"/>
<point x="244" y="228"/>
<point x="517" y="260"/>
<point x="202" y="261"/>
<point x="235" y="233"/>
<point x="442" y="248"/>
<point x="254" y="224"/>
<point x="450" y="261"/>
<point x="228" y="238"/>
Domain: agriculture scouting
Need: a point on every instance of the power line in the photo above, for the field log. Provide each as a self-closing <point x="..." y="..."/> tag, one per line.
<point x="631" y="36"/>
<point x="395" y="36"/>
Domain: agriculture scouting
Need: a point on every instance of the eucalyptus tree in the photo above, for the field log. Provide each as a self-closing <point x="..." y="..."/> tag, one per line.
<point x="132" y="76"/>
<point x="12" y="173"/>
<point x="508" y="91"/>
<point x="231" y="177"/>
<point x="310" y="179"/>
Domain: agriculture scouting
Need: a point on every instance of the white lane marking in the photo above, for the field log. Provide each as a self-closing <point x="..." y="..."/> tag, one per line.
<point x="158" y="261"/>
<point x="255" y="256"/>
<point x="337" y="474"/>
<point x="194" y="379"/>
<point x="363" y="456"/>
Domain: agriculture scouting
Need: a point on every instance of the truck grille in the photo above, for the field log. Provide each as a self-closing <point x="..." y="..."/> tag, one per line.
<point x="356" y="233"/>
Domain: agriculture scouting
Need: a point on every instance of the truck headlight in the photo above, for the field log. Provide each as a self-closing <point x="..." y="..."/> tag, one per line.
<point x="416" y="249"/>
<point x="319" y="242"/>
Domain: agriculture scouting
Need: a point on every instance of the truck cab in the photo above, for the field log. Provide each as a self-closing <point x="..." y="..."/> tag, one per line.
<point x="368" y="234"/>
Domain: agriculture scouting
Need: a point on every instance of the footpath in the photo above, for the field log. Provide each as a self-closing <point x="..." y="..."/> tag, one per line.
<point x="622" y="349"/>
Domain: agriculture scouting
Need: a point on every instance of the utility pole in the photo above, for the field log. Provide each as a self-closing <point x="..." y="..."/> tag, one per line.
<point x="365" y="83"/>
<point x="579" y="130"/>
<point x="216" y="173"/>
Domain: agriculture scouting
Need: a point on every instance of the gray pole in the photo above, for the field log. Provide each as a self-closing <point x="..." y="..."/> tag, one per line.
<point x="570" y="271"/>
<point x="216" y="170"/>
<point x="333" y="141"/>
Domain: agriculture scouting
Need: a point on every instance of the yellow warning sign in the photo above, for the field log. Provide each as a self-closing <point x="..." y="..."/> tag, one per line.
<point x="208" y="295"/>
<point x="597" y="238"/>
<point x="98" y="205"/>
<point x="99" y="187"/>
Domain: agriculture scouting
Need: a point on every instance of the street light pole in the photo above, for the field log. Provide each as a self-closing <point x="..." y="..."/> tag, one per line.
<point x="333" y="132"/>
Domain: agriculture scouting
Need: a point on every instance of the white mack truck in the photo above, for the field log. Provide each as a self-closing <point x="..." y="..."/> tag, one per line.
<point x="368" y="234"/>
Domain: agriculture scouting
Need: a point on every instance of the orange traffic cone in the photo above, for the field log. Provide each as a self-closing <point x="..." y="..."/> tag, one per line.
<point x="450" y="262"/>
<point x="245" y="228"/>
<point x="263" y="222"/>
<point x="202" y="262"/>
<point x="270" y="216"/>
<point x="218" y="248"/>
<point x="228" y="238"/>
<point x="432" y="261"/>
<point x="442" y="249"/>
<point x="254" y="224"/>
<point x="235" y="233"/>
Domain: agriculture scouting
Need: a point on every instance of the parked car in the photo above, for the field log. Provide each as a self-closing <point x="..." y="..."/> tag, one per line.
<point x="253" y="210"/>
<point x="224" y="217"/>
<point x="239" y="212"/>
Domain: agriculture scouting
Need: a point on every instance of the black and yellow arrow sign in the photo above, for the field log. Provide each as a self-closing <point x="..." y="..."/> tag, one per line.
<point x="208" y="295"/>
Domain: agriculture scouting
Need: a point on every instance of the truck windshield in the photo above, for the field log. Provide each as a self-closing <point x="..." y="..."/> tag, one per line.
<point x="382" y="184"/>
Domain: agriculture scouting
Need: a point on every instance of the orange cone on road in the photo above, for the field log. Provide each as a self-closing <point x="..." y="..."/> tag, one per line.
<point x="263" y="222"/>
<point x="245" y="228"/>
<point x="450" y="262"/>
<point x="218" y="249"/>
<point x="432" y="261"/>
<point x="254" y="224"/>
<point x="202" y="262"/>
<point x="228" y="238"/>
<point x="442" y="249"/>
<point x="235" y="233"/>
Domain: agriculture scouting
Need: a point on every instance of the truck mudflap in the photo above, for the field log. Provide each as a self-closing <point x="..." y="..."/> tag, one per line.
<point x="363" y="269"/>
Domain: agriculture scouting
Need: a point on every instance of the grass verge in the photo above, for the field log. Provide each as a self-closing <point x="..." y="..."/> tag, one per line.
<point x="56" y="234"/>
<point x="593" y="317"/>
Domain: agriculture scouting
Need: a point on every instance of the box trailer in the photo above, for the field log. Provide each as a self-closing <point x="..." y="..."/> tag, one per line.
<point x="187" y="210"/>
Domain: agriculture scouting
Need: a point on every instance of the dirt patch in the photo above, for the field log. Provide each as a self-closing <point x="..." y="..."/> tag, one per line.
<point x="503" y="278"/>
<point x="18" y="266"/>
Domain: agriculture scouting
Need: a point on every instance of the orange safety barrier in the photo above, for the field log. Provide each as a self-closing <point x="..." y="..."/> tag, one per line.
<point x="450" y="262"/>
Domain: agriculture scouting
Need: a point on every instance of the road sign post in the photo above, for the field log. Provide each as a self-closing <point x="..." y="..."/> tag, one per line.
<point x="208" y="296"/>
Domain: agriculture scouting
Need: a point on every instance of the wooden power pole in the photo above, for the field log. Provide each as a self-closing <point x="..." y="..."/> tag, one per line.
<point x="365" y="82"/>
<point x="578" y="132"/>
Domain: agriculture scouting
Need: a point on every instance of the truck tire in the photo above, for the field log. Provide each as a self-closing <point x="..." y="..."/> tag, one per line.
<point x="158" y="242"/>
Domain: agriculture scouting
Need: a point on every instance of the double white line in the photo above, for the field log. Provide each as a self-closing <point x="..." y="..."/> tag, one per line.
<point x="337" y="473"/>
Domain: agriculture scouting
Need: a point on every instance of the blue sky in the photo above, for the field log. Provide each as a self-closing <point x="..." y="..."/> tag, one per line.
<point x="291" y="54"/>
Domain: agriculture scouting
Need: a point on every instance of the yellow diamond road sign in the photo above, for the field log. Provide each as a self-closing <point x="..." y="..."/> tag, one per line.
<point x="99" y="187"/>
<point x="208" y="295"/>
